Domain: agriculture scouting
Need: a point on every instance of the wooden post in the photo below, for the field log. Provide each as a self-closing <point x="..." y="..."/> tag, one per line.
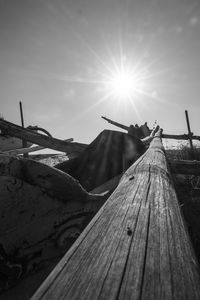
<point x="190" y="134"/>
<point x="136" y="247"/>
<point x="24" y="142"/>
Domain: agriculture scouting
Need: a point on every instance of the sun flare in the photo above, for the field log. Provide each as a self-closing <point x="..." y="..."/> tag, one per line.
<point x="123" y="84"/>
<point x="122" y="80"/>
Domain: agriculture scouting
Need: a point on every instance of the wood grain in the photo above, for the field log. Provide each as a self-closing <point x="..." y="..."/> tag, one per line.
<point x="136" y="247"/>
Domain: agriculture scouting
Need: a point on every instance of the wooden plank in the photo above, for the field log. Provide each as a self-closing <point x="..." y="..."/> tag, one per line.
<point x="39" y="139"/>
<point x="136" y="247"/>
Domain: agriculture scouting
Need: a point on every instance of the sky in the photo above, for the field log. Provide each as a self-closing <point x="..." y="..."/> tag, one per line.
<point x="56" y="55"/>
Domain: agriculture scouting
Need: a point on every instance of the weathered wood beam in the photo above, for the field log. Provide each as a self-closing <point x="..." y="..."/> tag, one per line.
<point x="136" y="247"/>
<point x="39" y="139"/>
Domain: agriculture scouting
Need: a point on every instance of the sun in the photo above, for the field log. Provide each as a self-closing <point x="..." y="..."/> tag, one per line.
<point x="123" y="84"/>
<point x="121" y="80"/>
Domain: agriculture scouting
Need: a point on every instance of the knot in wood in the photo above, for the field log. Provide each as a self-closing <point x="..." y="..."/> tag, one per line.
<point x="129" y="231"/>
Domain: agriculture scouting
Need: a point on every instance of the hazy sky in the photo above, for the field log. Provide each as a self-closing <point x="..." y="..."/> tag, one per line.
<point x="54" y="54"/>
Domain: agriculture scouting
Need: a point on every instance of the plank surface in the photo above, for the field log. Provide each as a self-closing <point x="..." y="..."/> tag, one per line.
<point x="136" y="247"/>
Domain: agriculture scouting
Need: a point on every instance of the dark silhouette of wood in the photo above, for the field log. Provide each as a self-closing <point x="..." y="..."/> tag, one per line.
<point x="136" y="247"/>
<point x="40" y="139"/>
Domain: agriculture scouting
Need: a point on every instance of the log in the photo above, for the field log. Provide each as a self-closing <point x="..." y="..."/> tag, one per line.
<point x="136" y="247"/>
<point x="39" y="139"/>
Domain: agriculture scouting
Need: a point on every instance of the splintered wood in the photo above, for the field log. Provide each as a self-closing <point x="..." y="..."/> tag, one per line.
<point x="136" y="247"/>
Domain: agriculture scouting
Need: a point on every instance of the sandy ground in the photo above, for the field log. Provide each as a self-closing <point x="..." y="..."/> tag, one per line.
<point x="49" y="159"/>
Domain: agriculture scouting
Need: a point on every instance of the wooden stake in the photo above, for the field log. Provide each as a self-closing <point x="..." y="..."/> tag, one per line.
<point x="24" y="142"/>
<point x="190" y="134"/>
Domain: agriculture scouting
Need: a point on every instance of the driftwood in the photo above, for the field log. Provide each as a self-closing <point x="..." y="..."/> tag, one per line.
<point x="39" y="139"/>
<point x="136" y="247"/>
<point x="166" y="136"/>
